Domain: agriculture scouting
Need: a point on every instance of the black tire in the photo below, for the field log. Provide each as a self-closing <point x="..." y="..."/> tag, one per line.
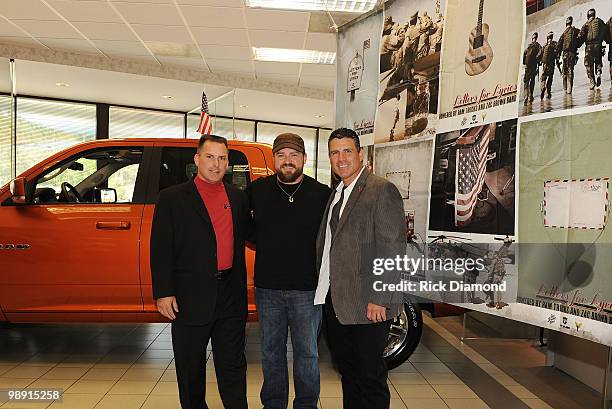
<point x="405" y="335"/>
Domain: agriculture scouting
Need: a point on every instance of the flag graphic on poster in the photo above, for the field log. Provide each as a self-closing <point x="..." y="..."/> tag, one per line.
<point x="472" y="186"/>
<point x="205" y="126"/>
<point x="471" y="168"/>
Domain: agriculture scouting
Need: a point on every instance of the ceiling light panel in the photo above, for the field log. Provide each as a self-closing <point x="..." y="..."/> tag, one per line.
<point x="293" y="55"/>
<point x="359" y="6"/>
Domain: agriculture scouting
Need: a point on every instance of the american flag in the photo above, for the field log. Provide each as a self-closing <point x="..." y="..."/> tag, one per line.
<point x="205" y="127"/>
<point x="470" y="170"/>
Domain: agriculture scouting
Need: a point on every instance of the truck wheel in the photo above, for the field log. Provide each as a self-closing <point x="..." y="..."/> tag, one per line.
<point x="405" y="335"/>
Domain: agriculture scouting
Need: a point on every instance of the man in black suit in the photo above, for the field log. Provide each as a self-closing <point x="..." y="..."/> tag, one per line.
<point x="199" y="276"/>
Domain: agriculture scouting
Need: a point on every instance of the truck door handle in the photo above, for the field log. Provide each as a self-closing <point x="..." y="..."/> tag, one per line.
<point x="113" y="225"/>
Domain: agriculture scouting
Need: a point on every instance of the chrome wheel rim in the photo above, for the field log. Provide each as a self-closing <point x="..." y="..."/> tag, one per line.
<point x="397" y="334"/>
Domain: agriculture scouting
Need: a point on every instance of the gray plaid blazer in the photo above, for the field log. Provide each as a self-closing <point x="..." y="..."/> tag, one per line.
<point x="372" y="225"/>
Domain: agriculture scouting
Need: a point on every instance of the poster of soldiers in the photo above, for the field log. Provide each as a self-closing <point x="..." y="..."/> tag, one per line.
<point x="410" y="50"/>
<point x="357" y="79"/>
<point x="567" y="272"/>
<point x="566" y="57"/>
<point x="480" y="62"/>
<point x="490" y="278"/>
<point x="473" y="180"/>
<point x="408" y="165"/>
<point x="500" y="267"/>
<point x="494" y="73"/>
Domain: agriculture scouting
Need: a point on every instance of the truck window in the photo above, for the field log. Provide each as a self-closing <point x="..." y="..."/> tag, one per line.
<point x="89" y="176"/>
<point x="177" y="166"/>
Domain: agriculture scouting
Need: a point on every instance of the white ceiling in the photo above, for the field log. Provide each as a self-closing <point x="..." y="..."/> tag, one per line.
<point x="213" y="36"/>
<point x="39" y="79"/>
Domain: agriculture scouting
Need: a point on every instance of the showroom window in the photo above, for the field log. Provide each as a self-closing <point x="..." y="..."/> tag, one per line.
<point x="5" y="139"/>
<point x="47" y="127"/>
<point x="238" y="129"/>
<point x="193" y="121"/>
<point x="323" y="166"/>
<point x="140" y="123"/>
<point x="235" y="129"/>
<point x="267" y="132"/>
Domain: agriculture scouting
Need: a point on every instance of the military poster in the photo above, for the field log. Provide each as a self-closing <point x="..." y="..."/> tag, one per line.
<point x="483" y="275"/>
<point x="480" y="62"/>
<point x="408" y="165"/>
<point x="565" y="63"/>
<point x="357" y="79"/>
<point x="410" y="49"/>
<point x="545" y="253"/>
<point x="564" y="270"/>
<point x="473" y="180"/>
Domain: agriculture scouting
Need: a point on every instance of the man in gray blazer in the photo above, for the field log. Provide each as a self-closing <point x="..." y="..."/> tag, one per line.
<point x="364" y="220"/>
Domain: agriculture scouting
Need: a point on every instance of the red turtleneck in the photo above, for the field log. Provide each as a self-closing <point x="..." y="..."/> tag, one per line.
<point x="218" y="207"/>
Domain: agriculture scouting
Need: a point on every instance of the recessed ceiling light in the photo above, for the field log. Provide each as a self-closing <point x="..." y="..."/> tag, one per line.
<point x="294" y="55"/>
<point x="357" y="6"/>
<point x="319" y="116"/>
<point x="167" y="96"/>
<point x="243" y="106"/>
<point x="62" y="84"/>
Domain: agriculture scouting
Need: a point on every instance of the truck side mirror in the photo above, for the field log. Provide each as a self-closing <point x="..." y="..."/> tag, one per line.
<point x="18" y="191"/>
<point x="105" y="195"/>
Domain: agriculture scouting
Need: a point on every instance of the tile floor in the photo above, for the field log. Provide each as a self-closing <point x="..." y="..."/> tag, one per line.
<point x="127" y="366"/>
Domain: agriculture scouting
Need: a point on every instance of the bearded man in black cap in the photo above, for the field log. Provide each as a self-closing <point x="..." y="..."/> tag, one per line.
<point x="287" y="209"/>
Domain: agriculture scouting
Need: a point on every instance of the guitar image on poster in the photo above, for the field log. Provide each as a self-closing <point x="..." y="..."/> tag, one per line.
<point x="480" y="54"/>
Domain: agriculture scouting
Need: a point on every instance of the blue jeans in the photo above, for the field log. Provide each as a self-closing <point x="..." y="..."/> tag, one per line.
<point x="278" y="311"/>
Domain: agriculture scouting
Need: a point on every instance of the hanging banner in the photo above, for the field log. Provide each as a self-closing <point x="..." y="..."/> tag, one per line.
<point x="473" y="179"/>
<point x="565" y="268"/>
<point x="527" y="241"/>
<point x="410" y="49"/>
<point x="407" y="164"/>
<point x="565" y="65"/>
<point x="480" y="62"/>
<point x="357" y="79"/>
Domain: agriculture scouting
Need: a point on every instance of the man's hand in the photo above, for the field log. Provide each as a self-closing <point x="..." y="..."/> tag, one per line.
<point x="376" y="313"/>
<point x="167" y="306"/>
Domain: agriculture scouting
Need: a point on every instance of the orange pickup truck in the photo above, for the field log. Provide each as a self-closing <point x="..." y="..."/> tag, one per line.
<point x="75" y="230"/>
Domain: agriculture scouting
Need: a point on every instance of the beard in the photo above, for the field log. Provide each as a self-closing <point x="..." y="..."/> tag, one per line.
<point x="289" y="177"/>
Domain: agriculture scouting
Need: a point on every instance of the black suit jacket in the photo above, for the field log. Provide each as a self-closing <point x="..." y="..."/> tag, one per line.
<point x="184" y="252"/>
